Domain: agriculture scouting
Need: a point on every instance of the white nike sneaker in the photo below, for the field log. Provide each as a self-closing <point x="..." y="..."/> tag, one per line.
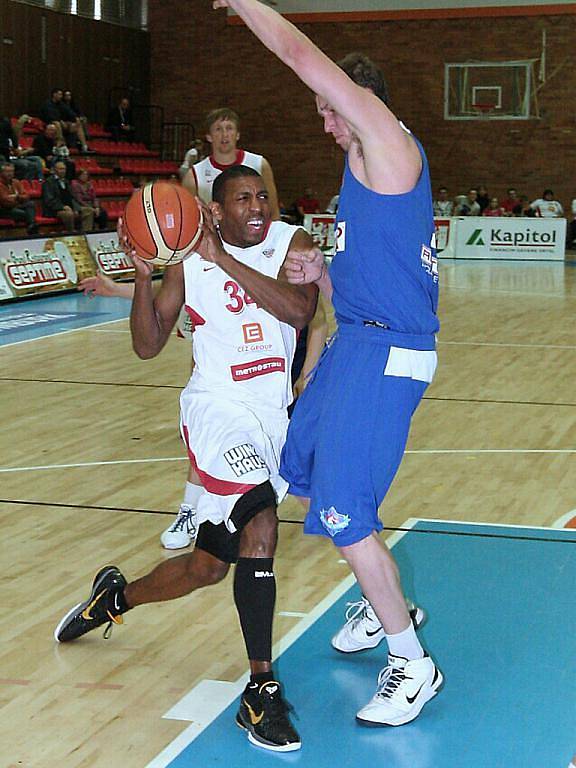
<point x="403" y="689"/>
<point x="363" y="630"/>
<point x="183" y="530"/>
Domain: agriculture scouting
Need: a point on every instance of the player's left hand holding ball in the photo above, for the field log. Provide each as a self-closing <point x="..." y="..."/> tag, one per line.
<point x="142" y="268"/>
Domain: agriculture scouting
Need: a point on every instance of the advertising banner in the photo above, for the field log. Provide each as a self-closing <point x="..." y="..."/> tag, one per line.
<point x="486" y="237"/>
<point x="109" y="258"/>
<point x="43" y="265"/>
<point x="321" y="227"/>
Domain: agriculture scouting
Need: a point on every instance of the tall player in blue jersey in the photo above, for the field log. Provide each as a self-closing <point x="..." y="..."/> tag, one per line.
<point x="350" y="428"/>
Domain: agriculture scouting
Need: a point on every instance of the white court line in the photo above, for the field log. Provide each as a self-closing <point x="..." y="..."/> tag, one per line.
<point x="62" y="333"/>
<point x="297" y="614"/>
<point x="92" y="464"/>
<point x="228" y="693"/>
<point x="561" y="522"/>
<point x="491" y="525"/>
<point x="424" y="451"/>
<point x="507" y="344"/>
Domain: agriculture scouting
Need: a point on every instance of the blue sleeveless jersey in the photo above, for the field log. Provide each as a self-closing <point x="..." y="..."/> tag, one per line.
<point x="385" y="271"/>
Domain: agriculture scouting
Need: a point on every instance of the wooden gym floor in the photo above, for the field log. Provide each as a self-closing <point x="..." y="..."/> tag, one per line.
<point x="494" y="441"/>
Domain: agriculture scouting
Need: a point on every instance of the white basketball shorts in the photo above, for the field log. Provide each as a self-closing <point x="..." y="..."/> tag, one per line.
<point x="232" y="449"/>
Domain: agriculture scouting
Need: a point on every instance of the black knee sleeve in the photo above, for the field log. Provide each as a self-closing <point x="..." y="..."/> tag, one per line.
<point x="255" y="597"/>
<point x="253" y="501"/>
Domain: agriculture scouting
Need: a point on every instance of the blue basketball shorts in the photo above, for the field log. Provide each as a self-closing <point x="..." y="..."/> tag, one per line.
<point x="349" y="430"/>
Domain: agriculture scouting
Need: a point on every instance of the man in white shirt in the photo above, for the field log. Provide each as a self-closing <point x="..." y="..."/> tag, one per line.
<point x="223" y="134"/>
<point x="547" y="207"/>
<point x="443" y="206"/>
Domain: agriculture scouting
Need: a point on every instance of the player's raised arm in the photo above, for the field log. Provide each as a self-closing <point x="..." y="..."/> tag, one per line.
<point x="389" y="155"/>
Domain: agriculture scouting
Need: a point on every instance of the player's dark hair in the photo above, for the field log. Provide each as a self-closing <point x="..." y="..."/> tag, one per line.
<point x="364" y="72"/>
<point x="223" y="113"/>
<point x="220" y="182"/>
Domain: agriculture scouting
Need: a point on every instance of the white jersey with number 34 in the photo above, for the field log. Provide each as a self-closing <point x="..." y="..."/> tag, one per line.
<point x="240" y="350"/>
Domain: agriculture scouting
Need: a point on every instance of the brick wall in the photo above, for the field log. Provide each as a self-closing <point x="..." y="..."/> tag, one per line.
<point x="198" y="63"/>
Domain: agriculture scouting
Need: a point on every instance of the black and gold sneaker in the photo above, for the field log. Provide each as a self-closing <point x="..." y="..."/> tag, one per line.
<point x="264" y="714"/>
<point x="95" y="611"/>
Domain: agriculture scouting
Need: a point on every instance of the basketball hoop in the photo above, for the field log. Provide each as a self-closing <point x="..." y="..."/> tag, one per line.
<point x="483" y="110"/>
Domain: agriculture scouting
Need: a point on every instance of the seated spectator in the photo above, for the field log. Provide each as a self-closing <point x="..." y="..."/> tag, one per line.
<point x="307" y="203"/>
<point x="57" y="112"/>
<point x="120" y="122"/>
<point x="27" y="165"/>
<point x="546" y="206"/>
<point x="68" y="101"/>
<point x="494" y="208"/>
<point x="483" y="198"/>
<point x="194" y="155"/>
<point x="58" y="201"/>
<point x="51" y="147"/>
<point x="332" y="206"/>
<point x="84" y="194"/>
<point x="14" y="202"/>
<point x="442" y="205"/>
<point x="512" y="205"/>
<point x="472" y="203"/>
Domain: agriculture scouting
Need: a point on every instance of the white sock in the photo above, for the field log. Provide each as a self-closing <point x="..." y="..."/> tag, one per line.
<point x="192" y="494"/>
<point x="405" y="644"/>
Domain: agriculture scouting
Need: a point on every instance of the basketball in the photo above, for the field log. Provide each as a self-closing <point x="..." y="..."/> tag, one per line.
<point x="162" y="222"/>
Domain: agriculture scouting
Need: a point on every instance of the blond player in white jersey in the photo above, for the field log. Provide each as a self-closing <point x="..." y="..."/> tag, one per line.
<point x="223" y="134"/>
<point x="233" y="418"/>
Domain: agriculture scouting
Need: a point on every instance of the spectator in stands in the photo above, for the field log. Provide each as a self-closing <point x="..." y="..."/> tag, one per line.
<point x="483" y="198"/>
<point x="472" y="203"/>
<point x="443" y="206"/>
<point x="546" y="206"/>
<point x="512" y="205"/>
<point x="57" y="112"/>
<point x="68" y="101"/>
<point x="85" y="195"/>
<point x="307" y="203"/>
<point x="467" y="205"/>
<point x="194" y="155"/>
<point x="494" y="208"/>
<point x="58" y="201"/>
<point x="120" y="123"/>
<point x="49" y="146"/>
<point x="14" y="201"/>
<point x="27" y="165"/>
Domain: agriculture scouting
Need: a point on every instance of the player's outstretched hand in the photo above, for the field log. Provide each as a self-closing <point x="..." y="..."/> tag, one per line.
<point x="220" y="4"/>
<point x="99" y="285"/>
<point x="142" y="268"/>
<point x="304" y="266"/>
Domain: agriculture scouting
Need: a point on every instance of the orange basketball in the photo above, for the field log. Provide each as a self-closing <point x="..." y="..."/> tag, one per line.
<point x="162" y="222"/>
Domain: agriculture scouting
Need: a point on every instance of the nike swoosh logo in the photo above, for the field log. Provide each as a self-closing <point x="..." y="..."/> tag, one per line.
<point x="371" y="634"/>
<point x="207" y="269"/>
<point x="254" y="718"/>
<point x="412" y="699"/>
<point x="86" y="612"/>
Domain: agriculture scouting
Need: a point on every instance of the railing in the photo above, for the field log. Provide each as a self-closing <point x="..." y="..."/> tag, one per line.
<point x="177" y="138"/>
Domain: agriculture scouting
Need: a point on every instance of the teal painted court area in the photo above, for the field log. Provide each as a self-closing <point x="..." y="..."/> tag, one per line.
<point x="502" y="627"/>
<point x="35" y="318"/>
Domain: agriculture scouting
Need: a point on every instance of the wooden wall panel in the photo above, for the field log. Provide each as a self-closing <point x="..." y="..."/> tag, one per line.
<point x="90" y="57"/>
